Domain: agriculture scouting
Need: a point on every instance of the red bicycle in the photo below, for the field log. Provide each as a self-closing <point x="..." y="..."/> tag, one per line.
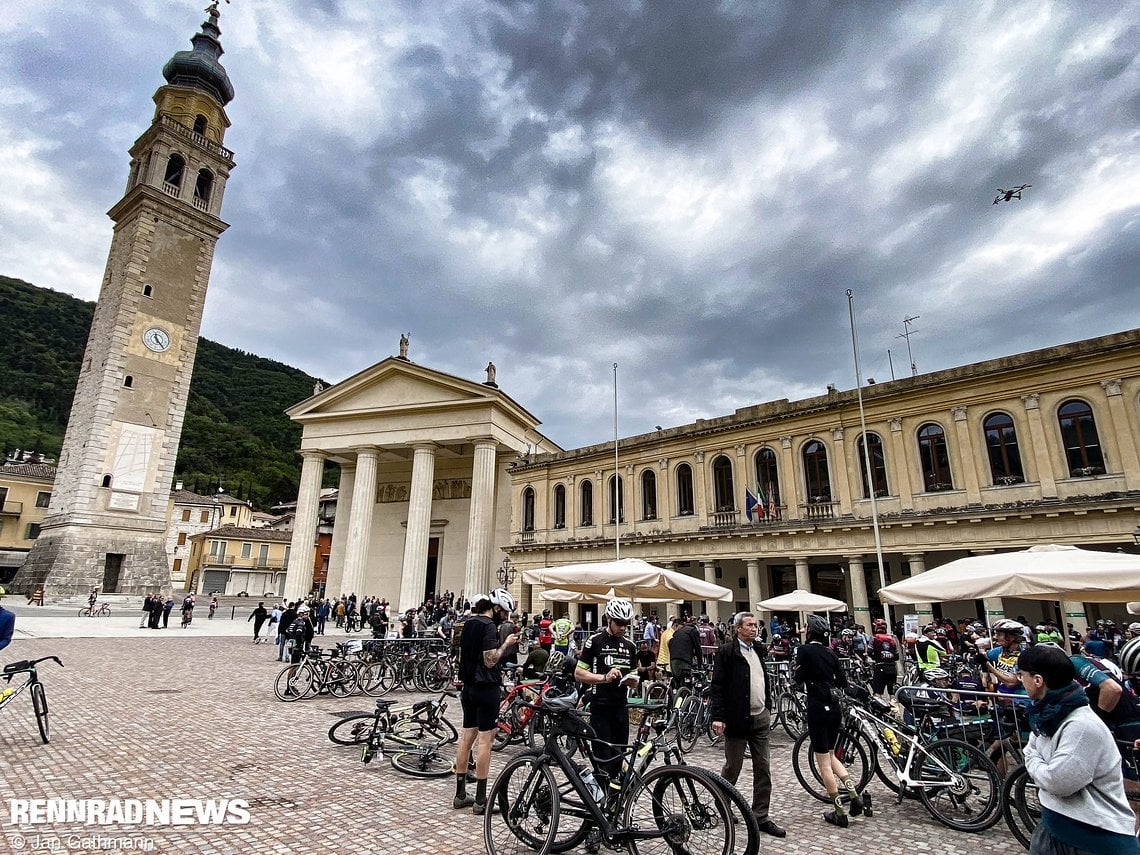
<point x="516" y="711"/>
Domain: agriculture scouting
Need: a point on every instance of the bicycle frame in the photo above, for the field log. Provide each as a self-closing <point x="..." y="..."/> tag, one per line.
<point x="872" y="726"/>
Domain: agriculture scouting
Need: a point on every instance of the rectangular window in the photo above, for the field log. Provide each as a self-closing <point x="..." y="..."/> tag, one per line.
<point x="181" y="538"/>
<point x="233" y="510"/>
<point x="205" y="517"/>
<point x="263" y="555"/>
<point x="286" y="556"/>
<point x="186" y="515"/>
<point x="177" y="565"/>
<point x="43" y="499"/>
<point x="246" y="550"/>
<point x="32" y="531"/>
<point x="216" y="547"/>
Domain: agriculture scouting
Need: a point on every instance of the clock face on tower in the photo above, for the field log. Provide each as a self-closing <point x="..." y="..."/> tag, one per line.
<point x="156" y="339"/>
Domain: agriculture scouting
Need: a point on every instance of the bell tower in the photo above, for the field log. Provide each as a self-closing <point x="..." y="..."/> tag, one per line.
<point x="106" y="523"/>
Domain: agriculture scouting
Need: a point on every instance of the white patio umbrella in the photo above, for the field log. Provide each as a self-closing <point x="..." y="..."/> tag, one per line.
<point x="561" y="595"/>
<point x="803" y="602"/>
<point x="631" y="578"/>
<point x="1134" y="608"/>
<point x="1046" y="572"/>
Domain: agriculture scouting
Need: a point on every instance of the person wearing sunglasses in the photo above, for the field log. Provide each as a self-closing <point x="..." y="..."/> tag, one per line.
<point x="608" y="663"/>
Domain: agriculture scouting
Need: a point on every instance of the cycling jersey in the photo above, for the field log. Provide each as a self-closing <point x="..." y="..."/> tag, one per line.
<point x="1006" y="663"/>
<point x="599" y="655"/>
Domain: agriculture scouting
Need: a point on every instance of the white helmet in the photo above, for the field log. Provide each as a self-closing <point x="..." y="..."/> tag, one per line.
<point x="502" y="598"/>
<point x="619" y="610"/>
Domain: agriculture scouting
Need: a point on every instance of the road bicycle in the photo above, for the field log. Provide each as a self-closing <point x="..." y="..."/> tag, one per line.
<point x="955" y="781"/>
<point x="693" y="715"/>
<point x="416" y="743"/>
<point x="789" y="703"/>
<point x="187" y="617"/>
<point x="101" y="610"/>
<point x="316" y="674"/>
<point x="33" y="686"/>
<point x="423" y="720"/>
<point x="516" y="710"/>
<point x="664" y="809"/>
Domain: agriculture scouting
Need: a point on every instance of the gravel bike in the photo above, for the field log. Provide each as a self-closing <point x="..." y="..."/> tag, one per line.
<point x="33" y="686"/>
<point x="421" y="721"/>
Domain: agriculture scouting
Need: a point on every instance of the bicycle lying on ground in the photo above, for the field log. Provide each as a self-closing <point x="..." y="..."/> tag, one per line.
<point x="415" y="734"/>
<point x="33" y="685"/>
<point x="101" y="610"/>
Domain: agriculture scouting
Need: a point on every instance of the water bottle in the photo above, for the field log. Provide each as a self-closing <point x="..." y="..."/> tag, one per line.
<point x="592" y="784"/>
<point x="892" y="741"/>
<point x="5" y="693"/>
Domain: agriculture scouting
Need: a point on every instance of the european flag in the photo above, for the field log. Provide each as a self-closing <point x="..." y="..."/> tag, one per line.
<point x="750" y="503"/>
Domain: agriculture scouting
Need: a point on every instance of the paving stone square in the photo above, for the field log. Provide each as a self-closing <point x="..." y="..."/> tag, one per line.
<point x="183" y="714"/>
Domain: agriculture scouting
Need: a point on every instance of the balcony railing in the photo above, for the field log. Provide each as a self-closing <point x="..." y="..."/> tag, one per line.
<point x="190" y="134"/>
<point x="13" y="509"/>
<point x="820" y="510"/>
<point x="726" y="519"/>
<point x="526" y="537"/>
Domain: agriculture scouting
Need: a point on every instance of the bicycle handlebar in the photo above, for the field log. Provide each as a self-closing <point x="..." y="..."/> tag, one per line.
<point x="28" y="664"/>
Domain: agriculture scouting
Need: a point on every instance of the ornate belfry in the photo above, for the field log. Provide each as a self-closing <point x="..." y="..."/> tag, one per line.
<point x="106" y="523"/>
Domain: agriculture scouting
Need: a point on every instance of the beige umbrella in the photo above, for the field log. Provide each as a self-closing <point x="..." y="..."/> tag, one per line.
<point x="1047" y="572"/>
<point x="561" y="595"/>
<point x="1134" y="608"/>
<point x="800" y="600"/>
<point x="630" y="578"/>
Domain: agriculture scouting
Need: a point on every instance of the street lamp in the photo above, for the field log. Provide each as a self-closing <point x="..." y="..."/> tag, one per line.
<point x="507" y="572"/>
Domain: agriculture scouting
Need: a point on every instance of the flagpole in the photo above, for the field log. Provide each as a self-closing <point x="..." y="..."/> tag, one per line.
<point x="617" y="506"/>
<point x="867" y="455"/>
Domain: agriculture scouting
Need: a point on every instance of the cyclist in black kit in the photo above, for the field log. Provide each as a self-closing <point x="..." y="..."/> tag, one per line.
<point x="608" y="663"/>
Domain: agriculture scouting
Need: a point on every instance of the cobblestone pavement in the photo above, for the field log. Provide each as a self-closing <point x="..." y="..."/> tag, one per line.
<point x="194" y="717"/>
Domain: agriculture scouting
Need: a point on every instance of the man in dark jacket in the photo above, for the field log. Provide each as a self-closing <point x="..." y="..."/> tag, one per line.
<point x="259" y="616"/>
<point x="684" y="651"/>
<point x="741" y="707"/>
<point x="287" y="617"/>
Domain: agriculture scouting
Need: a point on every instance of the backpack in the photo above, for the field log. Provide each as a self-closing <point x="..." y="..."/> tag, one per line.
<point x="296" y="630"/>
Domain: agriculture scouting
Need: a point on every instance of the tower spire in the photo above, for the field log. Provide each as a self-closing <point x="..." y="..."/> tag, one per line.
<point x="201" y="67"/>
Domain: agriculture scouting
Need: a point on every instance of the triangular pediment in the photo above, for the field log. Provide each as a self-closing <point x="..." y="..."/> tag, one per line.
<point x="391" y="386"/>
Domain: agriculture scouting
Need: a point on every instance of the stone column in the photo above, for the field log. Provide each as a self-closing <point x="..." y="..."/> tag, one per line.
<point x="344" y="495"/>
<point x="842" y="493"/>
<point x="803" y="574"/>
<point x="303" y="547"/>
<point x="1121" y="434"/>
<point x="917" y="562"/>
<point x="790" y="496"/>
<point x="1039" y="448"/>
<point x="700" y="488"/>
<point x="414" y="574"/>
<point x="861" y="605"/>
<point x="480" y="534"/>
<point x="755" y="595"/>
<point x="712" y="607"/>
<point x="1074" y="613"/>
<point x="899" y="472"/>
<point x="967" y="456"/>
<point x="360" y="522"/>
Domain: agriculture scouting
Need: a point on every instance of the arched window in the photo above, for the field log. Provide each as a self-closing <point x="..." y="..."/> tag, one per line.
<point x="617" y="508"/>
<point x="685" y="505"/>
<point x="817" y="478"/>
<point x="1081" y="441"/>
<point x="934" y="458"/>
<point x="586" y="502"/>
<point x="559" y="506"/>
<point x="175" y="166"/>
<point x="722" y="484"/>
<point x="648" y="495"/>
<point x="1001" y="445"/>
<point x="767" y="478"/>
<point x="128" y="382"/>
<point x="528" y="509"/>
<point x="147" y="291"/>
<point x="106" y="481"/>
<point x="199" y="124"/>
<point x="204" y="185"/>
<point x="878" y="466"/>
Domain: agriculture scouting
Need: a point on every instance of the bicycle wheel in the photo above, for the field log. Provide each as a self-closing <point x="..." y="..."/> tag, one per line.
<point x="742" y="814"/>
<point x="84" y="612"/>
<point x="538" y="731"/>
<point x="793" y="715"/>
<point x="293" y="687"/>
<point x="39" y="704"/>
<point x="371" y="679"/>
<point x="522" y="810"/>
<point x="436" y="673"/>
<point x="441" y="732"/>
<point x="341" y="679"/>
<point x="353" y="730"/>
<point x="422" y="762"/>
<point x="964" y="788"/>
<point x="853" y="756"/>
<point x="105" y="610"/>
<point x="688" y="731"/>
<point x="1019" y="816"/>
<point x="691" y="812"/>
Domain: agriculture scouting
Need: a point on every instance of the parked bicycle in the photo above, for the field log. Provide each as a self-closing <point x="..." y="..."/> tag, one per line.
<point x="101" y="610"/>
<point x="415" y="738"/>
<point x="32" y="685"/>
<point x="664" y="809"/>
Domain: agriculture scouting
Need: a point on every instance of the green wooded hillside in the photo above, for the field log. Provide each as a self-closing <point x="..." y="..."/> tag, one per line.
<point x="236" y="433"/>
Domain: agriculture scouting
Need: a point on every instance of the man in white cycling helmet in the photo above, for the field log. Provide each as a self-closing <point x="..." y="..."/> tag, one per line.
<point x="480" y="654"/>
<point x="608" y="663"/>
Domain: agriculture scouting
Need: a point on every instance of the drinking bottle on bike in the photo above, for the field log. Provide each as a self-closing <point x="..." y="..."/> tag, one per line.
<point x="892" y="741"/>
<point x="5" y="693"/>
<point x="592" y="783"/>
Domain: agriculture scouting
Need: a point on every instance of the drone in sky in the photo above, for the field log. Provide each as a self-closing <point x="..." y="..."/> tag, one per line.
<point x="1007" y="195"/>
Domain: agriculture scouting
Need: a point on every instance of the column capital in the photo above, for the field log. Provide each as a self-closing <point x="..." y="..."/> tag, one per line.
<point x="482" y="441"/>
<point x="837" y="434"/>
<point x="854" y="558"/>
<point x="1111" y="387"/>
<point x="959" y="413"/>
<point x="914" y="556"/>
<point x="424" y="445"/>
<point x="786" y="442"/>
<point x="314" y="454"/>
<point x="1031" y="401"/>
<point x="895" y="425"/>
<point x="367" y="451"/>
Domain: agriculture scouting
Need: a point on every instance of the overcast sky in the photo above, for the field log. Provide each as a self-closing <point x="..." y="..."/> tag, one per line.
<point x="684" y="188"/>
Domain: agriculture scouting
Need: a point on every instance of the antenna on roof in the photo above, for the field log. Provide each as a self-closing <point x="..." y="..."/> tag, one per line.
<point x="907" y="333"/>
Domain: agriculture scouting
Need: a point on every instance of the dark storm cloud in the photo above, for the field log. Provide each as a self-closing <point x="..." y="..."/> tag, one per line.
<point x="686" y="188"/>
